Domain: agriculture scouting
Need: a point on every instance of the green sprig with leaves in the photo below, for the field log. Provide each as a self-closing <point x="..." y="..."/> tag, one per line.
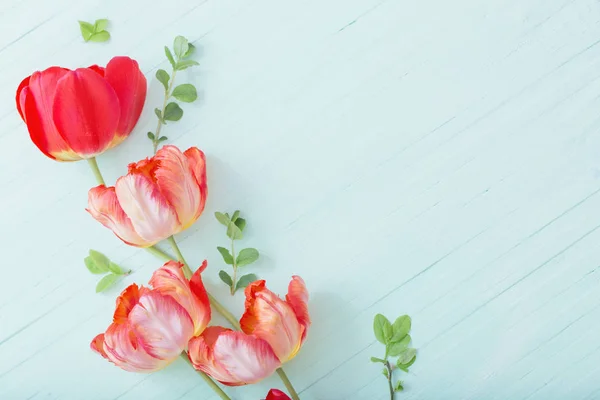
<point x="396" y="339"/>
<point x="235" y="227"/>
<point x="170" y="111"/>
<point x="95" y="32"/>
<point x="98" y="264"/>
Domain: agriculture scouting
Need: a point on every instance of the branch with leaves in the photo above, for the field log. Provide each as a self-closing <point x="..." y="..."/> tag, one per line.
<point x="98" y="264"/>
<point x="396" y="339"/>
<point x="235" y="226"/>
<point x="186" y="92"/>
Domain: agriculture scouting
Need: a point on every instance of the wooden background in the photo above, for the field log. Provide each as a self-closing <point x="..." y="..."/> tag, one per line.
<point x="431" y="157"/>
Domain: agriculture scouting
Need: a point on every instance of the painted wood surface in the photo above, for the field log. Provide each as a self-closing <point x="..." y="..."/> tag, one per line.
<point x="436" y="158"/>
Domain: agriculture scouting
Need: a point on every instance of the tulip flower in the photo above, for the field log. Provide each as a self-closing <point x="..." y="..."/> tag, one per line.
<point x="74" y="115"/>
<point x="151" y="327"/>
<point x="273" y="332"/>
<point x="276" y="394"/>
<point x="159" y="197"/>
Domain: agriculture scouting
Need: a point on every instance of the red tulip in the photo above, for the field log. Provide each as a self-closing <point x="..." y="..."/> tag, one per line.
<point x="74" y="115"/>
<point x="276" y="394"/>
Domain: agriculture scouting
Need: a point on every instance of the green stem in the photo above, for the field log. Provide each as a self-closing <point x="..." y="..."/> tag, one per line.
<point x="234" y="277"/>
<point x="287" y="384"/>
<point x="207" y="379"/>
<point x="186" y="268"/>
<point x="155" y="142"/>
<point x="94" y="166"/>
<point x="389" y="378"/>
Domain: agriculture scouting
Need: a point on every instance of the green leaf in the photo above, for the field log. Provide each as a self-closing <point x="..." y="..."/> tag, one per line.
<point x="401" y="327"/>
<point x="385" y="372"/>
<point x="233" y="231"/>
<point x="246" y="256"/>
<point x="225" y="278"/>
<point x="396" y="348"/>
<point x="100" y="25"/>
<point x="115" y="269"/>
<point x="407" y="358"/>
<point x="186" y="93"/>
<point x="235" y="215"/>
<point x="173" y="112"/>
<point x="99" y="259"/>
<point x="226" y="255"/>
<point x="185" y="64"/>
<point x="150" y="135"/>
<point x="106" y="282"/>
<point x="162" y="138"/>
<point x="240" y="223"/>
<point x="100" y="37"/>
<point x="222" y="218"/>
<point x="93" y="267"/>
<point x="180" y="46"/>
<point x="158" y="113"/>
<point x="377" y="360"/>
<point x="163" y="77"/>
<point x="87" y="30"/>
<point x="399" y="386"/>
<point x="191" y="49"/>
<point x="170" y="57"/>
<point x="382" y="329"/>
<point x="245" y="281"/>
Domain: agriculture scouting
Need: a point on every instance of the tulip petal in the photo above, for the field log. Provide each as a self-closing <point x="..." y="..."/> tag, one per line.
<point x="125" y="303"/>
<point x="21" y="99"/>
<point x="97" y="69"/>
<point x="86" y="111"/>
<point x="151" y="215"/>
<point x="272" y="319"/>
<point x="178" y="184"/>
<point x="126" y="351"/>
<point x="232" y="358"/>
<point x="162" y="325"/>
<point x="197" y="163"/>
<point x="128" y="82"/>
<point x="105" y="208"/>
<point x="276" y="394"/>
<point x="169" y="280"/>
<point x="98" y="345"/>
<point x="36" y="101"/>
<point x="297" y="298"/>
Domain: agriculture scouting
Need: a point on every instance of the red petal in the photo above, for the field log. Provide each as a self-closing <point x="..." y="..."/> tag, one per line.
<point x="20" y="102"/>
<point x="86" y="111"/>
<point x="125" y="77"/>
<point x="98" y="345"/>
<point x="97" y="69"/>
<point x="125" y="303"/>
<point x="276" y="394"/>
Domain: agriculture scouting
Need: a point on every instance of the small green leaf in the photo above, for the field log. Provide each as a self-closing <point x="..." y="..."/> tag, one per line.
<point x="106" y="282"/>
<point x="158" y="113"/>
<point x="245" y="281"/>
<point x="246" y="256"/>
<point x="399" y="386"/>
<point x="186" y="93"/>
<point x="170" y="57"/>
<point x="100" y="37"/>
<point x="226" y="255"/>
<point x="115" y="269"/>
<point x="150" y="135"/>
<point x="396" y="348"/>
<point x="233" y="231"/>
<point x="382" y="329"/>
<point x="377" y="360"/>
<point x="191" y="49"/>
<point x="163" y="77"/>
<point x="180" y="46"/>
<point x="99" y="259"/>
<point x="173" y="112"/>
<point x="235" y="215"/>
<point x="87" y="30"/>
<point x="401" y="327"/>
<point x="407" y="358"/>
<point x="222" y="218"/>
<point x="240" y="223"/>
<point x="185" y="64"/>
<point x="93" y="267"/>
<point x="385" y="372"/>
<point x="100" y="25"/>
<point x="225" y="278"/>
<point x="162" y="138"/>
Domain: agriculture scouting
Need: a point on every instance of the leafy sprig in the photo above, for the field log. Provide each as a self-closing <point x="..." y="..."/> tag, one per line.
<point x="396" y="339"/>
<point x="95" y="32"/>
<point x="98" y="264"/>
<point x="171" y="111"/>
<point x="235" y="227"/>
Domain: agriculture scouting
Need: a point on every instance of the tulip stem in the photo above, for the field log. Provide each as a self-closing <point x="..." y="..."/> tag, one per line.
<point x="207" y="379"/>
<point x="186" y="268"/>
<point x="94" y="166"/>
<point x="287" y="384"/>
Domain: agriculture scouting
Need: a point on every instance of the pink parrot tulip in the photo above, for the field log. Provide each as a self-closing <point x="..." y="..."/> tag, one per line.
<point x="152" y="327"/>
<point x="159" y="197"/>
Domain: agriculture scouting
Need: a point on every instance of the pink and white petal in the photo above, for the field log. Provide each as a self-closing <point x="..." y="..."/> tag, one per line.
<point x="169" y="280"/>
<point x="176" y="180"/>
<point x="161" y="324"/>
<point x="297" y="298"/>
<point x="269" y="318"/>
<point x="129" y="83"/>
<point x="197" y="163"/>
<point x="97" y="345"/>
<point x="85" y="111"/>
<point x="151" y="215"/>
<point x="104" y="206"/>
<point x="200" y="353"/>
<point x="124" y="349"/>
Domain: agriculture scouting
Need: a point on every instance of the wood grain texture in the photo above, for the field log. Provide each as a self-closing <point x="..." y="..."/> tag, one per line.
<point x="436" y="158"/>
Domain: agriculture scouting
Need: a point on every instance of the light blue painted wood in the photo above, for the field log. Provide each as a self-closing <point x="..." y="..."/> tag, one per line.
<point x="430" y="157"/>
